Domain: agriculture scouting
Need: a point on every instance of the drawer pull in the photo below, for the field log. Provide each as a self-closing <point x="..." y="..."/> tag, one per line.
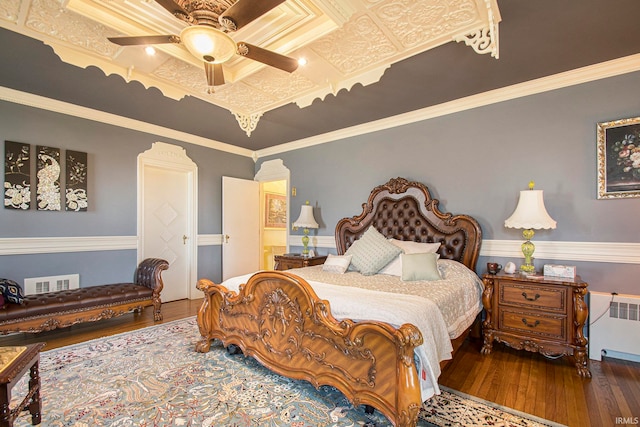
<point x="531" y="325"/>
<point x="535" y="297"/>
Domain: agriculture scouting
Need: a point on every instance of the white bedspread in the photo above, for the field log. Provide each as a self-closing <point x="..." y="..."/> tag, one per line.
<point x="356" y="303"/>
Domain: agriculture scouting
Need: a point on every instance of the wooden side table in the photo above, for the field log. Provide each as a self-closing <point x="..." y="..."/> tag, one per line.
<point x="539" y="314"/>
<point x="14" y="363"/>
<point x="285" y="262"/>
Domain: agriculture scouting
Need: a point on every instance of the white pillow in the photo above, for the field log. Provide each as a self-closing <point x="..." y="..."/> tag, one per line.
<point x="371" y="252"/>
<point x="336" y="263"/>
<point x="394" y="268"/>
<point x="416" y="247"/>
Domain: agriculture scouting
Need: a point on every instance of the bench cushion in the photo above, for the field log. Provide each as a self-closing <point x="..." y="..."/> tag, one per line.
<point x="75" y="299"/>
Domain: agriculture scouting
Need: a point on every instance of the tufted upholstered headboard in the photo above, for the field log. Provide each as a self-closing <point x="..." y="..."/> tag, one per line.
<point x="404" y="210"/>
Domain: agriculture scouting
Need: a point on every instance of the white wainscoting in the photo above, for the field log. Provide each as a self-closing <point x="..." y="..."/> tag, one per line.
<point x="609" y="252"/>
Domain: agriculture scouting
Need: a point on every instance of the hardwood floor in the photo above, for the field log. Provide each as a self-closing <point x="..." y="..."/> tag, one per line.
<point x="548" y="388"/>
<point x="524" y="381"/>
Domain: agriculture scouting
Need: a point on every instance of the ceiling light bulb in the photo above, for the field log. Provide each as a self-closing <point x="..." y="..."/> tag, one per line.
<point x="150" y="50"/>
<point x="302" y="62"/>
<point x="202" y="44"/>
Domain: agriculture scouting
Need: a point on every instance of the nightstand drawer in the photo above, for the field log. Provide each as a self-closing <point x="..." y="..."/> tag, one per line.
<point x="538" y="297"/>
<point x="287" y="262"/>
<point x="534" y="324"/>
<point x="284" y="264"/>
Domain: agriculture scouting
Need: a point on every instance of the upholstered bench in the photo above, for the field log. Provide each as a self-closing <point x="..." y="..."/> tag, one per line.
<point x="52" y="310"/>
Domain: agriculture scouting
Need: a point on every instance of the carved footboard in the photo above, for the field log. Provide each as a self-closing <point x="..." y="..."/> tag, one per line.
<point x="278" y="319"/>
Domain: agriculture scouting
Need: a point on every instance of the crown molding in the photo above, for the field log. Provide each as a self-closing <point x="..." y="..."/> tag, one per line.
<point x="61" y="107"/>
<point x="587" y="74"/>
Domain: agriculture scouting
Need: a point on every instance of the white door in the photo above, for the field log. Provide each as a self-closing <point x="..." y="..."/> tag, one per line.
<point x="167" y="223"/>
<point x="240" y="226"/>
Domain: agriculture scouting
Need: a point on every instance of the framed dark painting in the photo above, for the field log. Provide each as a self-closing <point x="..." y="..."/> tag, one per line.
<point x="48" y="178"/>
<point x="619" y="159"/>
<point x="76" y="178"/>
<point x="275" y="208"/>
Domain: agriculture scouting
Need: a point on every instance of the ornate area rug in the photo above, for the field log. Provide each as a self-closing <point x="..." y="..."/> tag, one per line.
<point x="154" y="377"/>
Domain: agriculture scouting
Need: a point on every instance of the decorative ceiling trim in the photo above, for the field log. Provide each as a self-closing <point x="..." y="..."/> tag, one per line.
<point x="333" y="87"/>
<point x="248" y="122"/>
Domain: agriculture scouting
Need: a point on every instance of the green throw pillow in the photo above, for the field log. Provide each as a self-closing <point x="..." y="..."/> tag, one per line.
<point x="420" y="267"/>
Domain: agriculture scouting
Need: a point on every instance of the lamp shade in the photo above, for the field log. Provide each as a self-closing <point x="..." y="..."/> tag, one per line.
<point x="530" y="212"/>
<point x="306" y="219"/>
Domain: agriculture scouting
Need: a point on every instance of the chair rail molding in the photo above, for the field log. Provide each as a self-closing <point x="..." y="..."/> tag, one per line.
<point x="607" y="252"/>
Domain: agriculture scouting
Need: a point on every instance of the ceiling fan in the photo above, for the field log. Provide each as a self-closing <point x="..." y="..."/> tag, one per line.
<point x="206" y="35"/>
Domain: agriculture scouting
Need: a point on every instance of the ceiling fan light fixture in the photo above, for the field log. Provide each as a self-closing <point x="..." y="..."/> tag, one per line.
<point x="205" y="42"/>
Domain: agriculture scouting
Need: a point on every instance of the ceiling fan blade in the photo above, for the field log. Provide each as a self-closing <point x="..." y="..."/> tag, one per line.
<point x="215" y="75"/>
<point x="268" y="57"/>
<point x="142" y="40"/>
<point x="244" y="11"/>
<point x="173" y="7"/>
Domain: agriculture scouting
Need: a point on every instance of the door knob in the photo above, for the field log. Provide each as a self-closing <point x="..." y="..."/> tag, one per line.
<point x="184" y="239"/>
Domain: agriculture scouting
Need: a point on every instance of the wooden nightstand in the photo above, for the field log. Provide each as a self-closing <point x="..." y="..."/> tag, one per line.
<point x="285" y="262"/>
<point x="540" y="314"/>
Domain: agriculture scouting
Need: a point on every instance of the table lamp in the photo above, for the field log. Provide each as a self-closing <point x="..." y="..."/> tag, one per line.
<point x="306" y="221"/>
<point x="530" y="214"/>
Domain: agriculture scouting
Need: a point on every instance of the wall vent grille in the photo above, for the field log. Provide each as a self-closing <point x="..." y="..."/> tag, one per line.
<point x="623" y="310"/>
<point x="612" y="320"/>
<point x="41" y="285"/>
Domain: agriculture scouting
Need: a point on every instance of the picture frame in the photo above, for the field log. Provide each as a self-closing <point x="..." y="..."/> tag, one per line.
<point x="618" y="152"/>
<point x="275" y="210"/>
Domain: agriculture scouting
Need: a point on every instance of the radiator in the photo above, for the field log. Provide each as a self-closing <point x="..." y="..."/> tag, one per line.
<point x="614" y="326"/>
<point x="40" y="285"/>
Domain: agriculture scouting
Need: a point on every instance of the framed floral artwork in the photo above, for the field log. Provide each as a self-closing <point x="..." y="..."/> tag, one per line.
<point x="76" y="190"/>
<point x="275" y="210"/>
<point x="619" y="159"/>
<point x="17" y="175"/>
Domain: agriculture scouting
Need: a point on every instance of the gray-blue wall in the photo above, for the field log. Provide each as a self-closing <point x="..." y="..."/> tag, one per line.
<point x="112" y="161"/>
<point x="477" y="161"/>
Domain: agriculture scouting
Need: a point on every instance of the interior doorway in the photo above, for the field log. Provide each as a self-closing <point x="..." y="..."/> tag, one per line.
<point x="274" y="223"/>
<point x="167" y="216"/>
<point x="275" y="210"/>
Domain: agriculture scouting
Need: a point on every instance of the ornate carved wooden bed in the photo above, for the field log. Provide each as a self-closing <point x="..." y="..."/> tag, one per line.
<point x="278" y="319"/>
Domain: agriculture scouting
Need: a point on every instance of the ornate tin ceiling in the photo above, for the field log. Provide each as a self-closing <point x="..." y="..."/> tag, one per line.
<point x="344" y="43"/>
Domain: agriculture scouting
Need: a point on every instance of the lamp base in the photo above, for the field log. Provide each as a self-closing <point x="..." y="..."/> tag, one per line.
<point x="527" y="269"/>
<point x="305" y="243"/>
<point x="527" y="250"/>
